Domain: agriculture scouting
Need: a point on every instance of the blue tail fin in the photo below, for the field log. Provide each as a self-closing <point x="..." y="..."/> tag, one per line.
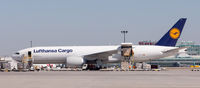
<point x="171" y="37"/>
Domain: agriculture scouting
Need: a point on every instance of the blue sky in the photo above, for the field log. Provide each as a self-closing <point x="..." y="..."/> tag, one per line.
<point x="92" y="22"/>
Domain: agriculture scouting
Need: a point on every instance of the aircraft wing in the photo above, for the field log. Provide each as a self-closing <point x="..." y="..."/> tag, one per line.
<point x="101" y="55"/>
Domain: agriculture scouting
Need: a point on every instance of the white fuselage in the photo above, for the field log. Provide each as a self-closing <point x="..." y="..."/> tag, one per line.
<point x="79" y="55"/>
<point x="58" y="54"/>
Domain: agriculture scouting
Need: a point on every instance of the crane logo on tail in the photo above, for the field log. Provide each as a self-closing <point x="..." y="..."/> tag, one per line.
<point x="174" y="33"/>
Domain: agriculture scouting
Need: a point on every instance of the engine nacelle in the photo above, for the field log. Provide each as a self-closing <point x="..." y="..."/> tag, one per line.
<point x="114" y="58"/>
<point x="74" y="61"/>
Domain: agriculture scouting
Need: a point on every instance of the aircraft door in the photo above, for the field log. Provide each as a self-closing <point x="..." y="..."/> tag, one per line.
<point x="126" y="50"/>
<point x="29" y="54"/>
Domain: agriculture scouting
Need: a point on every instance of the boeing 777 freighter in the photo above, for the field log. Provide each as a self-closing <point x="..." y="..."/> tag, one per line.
<point x="79" y="55"/>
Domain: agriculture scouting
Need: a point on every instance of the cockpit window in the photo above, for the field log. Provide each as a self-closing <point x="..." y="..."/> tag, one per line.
<point x="17" y="53"/>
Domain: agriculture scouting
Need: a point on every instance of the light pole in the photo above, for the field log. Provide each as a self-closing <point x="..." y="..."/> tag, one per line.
<point x="124" y="32"/>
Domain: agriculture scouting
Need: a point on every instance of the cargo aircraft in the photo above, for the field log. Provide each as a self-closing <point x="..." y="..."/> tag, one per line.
<point x="79" y="55"/>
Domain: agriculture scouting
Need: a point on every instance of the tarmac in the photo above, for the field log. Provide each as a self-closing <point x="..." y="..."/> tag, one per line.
<point x="183" y="78"/>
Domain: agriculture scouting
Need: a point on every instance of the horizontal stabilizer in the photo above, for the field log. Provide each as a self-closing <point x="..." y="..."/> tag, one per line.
<point x="174" y="50"/>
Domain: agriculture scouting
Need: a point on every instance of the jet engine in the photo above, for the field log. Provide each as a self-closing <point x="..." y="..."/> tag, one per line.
<point x="114" y="58"/>
<point x="75" y="61"/>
